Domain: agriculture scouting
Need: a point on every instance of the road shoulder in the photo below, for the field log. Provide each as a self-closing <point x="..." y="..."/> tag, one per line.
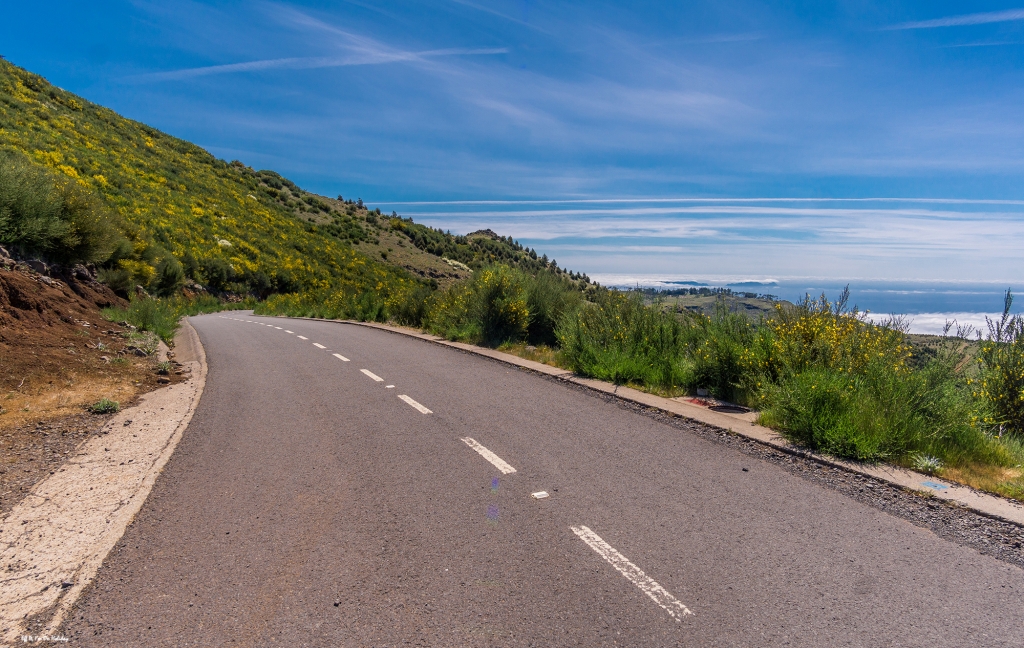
<point x="54" y="541"/>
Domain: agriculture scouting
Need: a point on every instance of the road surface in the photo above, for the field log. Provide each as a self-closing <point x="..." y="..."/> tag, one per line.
<point x="346" y="486"/>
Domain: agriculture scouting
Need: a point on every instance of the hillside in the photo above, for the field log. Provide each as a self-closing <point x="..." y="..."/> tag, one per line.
<point x="707" y="300"/>
<point x="232" y="228"/>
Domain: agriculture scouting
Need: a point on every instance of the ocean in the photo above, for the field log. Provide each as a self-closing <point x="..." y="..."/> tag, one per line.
<point x="926" y="305"/>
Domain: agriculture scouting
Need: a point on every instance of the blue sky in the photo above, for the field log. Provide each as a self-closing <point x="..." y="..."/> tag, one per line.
<point x="525" y="109"/>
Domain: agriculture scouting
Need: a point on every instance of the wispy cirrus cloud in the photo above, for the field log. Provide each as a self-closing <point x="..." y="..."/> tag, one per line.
<point x="356" y="50"/>
<point x="315" y="62"/>
<point x="1008" y="15"/>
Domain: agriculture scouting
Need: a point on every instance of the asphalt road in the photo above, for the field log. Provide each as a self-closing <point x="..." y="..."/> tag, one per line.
<point x="308" y="504"/>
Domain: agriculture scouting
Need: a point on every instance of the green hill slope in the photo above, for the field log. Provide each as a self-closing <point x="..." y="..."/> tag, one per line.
<point x="232" y="228"/>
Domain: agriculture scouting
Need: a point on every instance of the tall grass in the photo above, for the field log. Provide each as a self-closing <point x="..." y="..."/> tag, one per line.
<point x="619" y="338"/>
<point x="821" y="374"/>
<point x="163" y="316"/>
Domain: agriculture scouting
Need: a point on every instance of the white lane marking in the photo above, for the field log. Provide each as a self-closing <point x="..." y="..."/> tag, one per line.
<point x="372" y="375"/>
<point x="422" y="409"/>
<point x="302" y="337"/>
<point x="539" y="495"/>
<point x="278" y="328"/>
<point x="287" y="331"/>
<point x="340" y="357"/>
<point x="318" y="345"/>
<point x="389" y="386"/>
<point x="633" y="573"/>
<point x="498" y="462"/>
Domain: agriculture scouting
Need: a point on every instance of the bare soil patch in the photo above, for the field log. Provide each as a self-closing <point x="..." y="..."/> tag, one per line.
<point x="58" y="356"/>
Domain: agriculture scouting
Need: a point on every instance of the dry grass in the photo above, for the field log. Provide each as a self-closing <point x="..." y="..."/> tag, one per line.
<point x="1008" y="482"/>
<point x="71" y="392"/>
<point x="542" y="354"/>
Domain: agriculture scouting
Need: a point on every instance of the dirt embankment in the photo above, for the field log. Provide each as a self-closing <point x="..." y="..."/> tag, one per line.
<point x="58" y="355"/>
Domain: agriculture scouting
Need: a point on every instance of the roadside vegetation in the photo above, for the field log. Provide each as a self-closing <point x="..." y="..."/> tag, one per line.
<point x="826" y="378"/>
<point x="163" y="316"/>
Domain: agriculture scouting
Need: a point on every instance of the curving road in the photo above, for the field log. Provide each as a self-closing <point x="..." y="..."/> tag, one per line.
<point x="345" y="486"/>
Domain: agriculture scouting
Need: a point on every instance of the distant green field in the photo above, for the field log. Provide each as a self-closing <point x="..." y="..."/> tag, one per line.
<point x="748" y="304"/>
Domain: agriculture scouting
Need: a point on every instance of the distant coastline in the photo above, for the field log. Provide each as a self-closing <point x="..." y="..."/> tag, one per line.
<point x="927" y="304"/>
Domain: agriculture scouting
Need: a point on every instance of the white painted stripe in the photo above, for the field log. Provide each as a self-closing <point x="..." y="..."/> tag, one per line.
<point x="340" y="357"/>
<point x="318" y="345"/>
<point x="539" y="495"/>
<point x="372" y="375"/>
<point x="498" y="462"/>
<point x="633" y="573"/>
<point x="278" y="328"/>
<point x="287" y="331"/>
<point x="302" y="337"/>
<point x="423" y="410"/>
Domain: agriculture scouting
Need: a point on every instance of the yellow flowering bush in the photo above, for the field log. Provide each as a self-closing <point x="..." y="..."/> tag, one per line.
<point x="822" y="334"/>
<point x="1000" y="385"/>
<point x="492" y="307"/>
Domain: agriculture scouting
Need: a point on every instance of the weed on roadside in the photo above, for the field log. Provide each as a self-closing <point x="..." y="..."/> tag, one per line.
<point x="105" y="406"/>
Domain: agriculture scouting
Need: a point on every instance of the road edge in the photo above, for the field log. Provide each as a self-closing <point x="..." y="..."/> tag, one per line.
<point x="986" y="504"/>
<point x="122" y="465"/>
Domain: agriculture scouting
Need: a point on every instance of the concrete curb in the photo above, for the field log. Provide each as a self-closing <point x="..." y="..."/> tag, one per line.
<point x="985" y="504"/>
<point x="55" y="540"/>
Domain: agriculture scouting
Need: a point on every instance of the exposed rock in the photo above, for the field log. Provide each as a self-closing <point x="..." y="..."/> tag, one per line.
<point x="38" y="266"/>
<point x="83" y="273"/>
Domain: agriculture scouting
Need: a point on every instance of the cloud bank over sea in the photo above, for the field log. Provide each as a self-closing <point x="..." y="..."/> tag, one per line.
<point x="939" y="250"/>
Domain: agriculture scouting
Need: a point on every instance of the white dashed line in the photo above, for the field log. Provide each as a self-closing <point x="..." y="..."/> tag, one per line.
<point x="498" y="462"/>
<point x="318" y="345"/>
<point x="302" y="337"/>
<point x="278" y="328"/>
<point x="389" y="386"/>
<point x="372" y="375"/>
<point x="422" y="409"/>
<point x="540" y="495"/>
<point x="287" y="331"/>
<point x="632" y="573"/>
<point x="340" y="357"/>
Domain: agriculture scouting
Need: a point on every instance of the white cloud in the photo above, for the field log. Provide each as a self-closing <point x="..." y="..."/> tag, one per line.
<point x="963" y="20"/>
<point x="314" y="62"/>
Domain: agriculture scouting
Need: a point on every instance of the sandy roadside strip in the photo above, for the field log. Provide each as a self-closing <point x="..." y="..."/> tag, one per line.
<point x="54" y="541"/>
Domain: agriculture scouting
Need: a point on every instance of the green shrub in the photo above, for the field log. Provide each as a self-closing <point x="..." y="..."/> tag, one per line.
<point x="217" y="273"/>
<point x="549" y="298"/>
<point x="105" y="406"/>
<point x="119" y="280"/>
<point x="51" y="216"/>
<point x="169" y="278"/>
<point x="883" y="414"/>
<point x="501" y="304"/>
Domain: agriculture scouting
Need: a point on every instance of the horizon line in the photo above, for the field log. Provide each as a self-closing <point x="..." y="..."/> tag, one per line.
<point x="561" y="201"/>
